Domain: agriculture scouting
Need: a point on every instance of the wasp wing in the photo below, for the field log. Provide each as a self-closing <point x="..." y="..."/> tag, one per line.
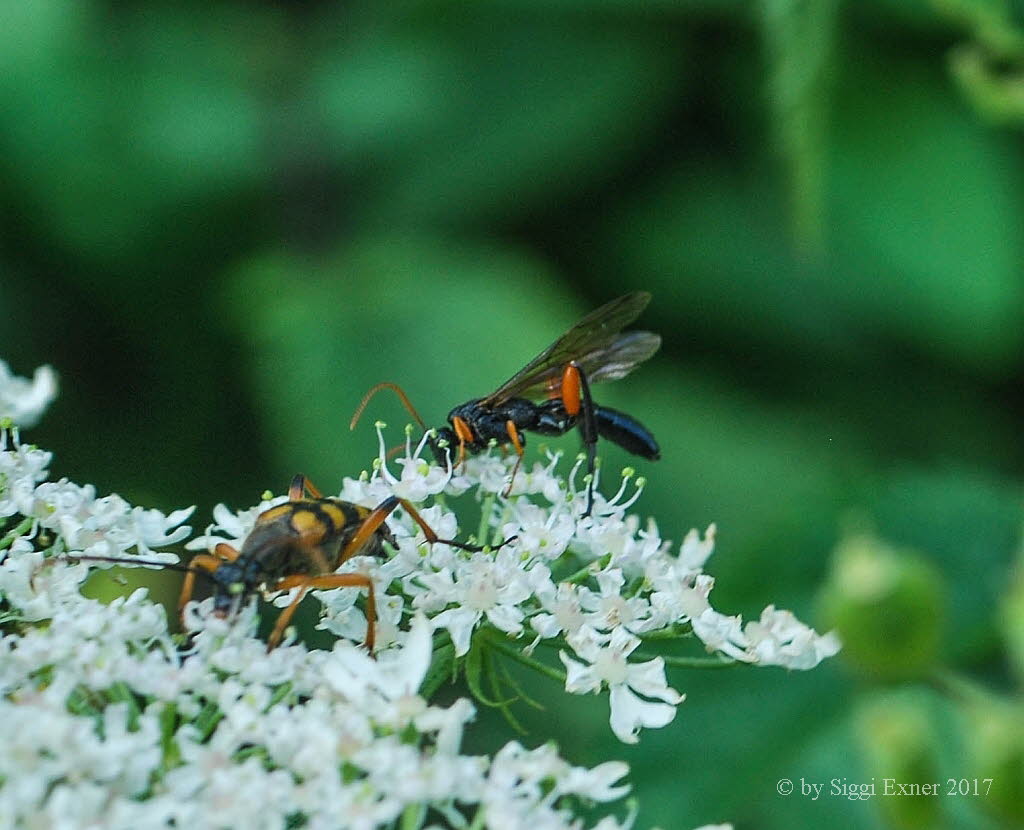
<point x="616" y="359"/>
<point x="595" y="342"/>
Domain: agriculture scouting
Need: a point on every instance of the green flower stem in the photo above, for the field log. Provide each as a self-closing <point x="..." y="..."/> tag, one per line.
<point x="515" y="654"/>
<point x="588" y="570"/>
<point x="676" y="662"/>
<point x="962" y="688"/>
<point x="207" y="719"/>
<point x="478" y="819"/>
<point x="670" y="633"/>
<point x="691" y="662"/>
<point x="485" y="515"/>
<point x="23" y="527"/>
<point x="413" y="817"/>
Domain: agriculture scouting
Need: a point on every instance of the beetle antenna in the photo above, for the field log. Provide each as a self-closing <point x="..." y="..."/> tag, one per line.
<point x="171" y="566"/>
<point x="394" y="387"/>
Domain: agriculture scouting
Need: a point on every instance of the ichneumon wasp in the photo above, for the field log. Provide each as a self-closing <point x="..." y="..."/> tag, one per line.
<point x="300" y="544"/>
<point x="594" y="350"/>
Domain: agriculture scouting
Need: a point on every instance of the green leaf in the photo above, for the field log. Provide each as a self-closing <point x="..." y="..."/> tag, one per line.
<point x="442" y="664"/>
<point x="479" y="668"/>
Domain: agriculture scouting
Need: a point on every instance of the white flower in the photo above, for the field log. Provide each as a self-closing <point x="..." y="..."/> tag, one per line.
<point x="484" y="586"/>
<point x="780" y="639"/>
<point x="23" y="401"/>
<point x="564" y="610"/>
<point x="540" y="532"/>
<point x="626" y="681"/>
<point x="608" y="609"/>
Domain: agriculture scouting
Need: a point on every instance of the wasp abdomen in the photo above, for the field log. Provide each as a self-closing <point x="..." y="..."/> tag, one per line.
<point x="627" y="432"/>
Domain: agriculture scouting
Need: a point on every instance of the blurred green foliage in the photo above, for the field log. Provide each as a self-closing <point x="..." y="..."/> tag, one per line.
<point x="222" y="224"/>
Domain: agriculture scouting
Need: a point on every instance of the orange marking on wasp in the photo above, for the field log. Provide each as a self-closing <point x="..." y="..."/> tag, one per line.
<point x="571" y="388"/>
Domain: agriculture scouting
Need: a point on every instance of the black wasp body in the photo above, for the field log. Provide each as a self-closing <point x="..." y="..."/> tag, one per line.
<point x="551" y="394"/>
<point x="486" y="424"/>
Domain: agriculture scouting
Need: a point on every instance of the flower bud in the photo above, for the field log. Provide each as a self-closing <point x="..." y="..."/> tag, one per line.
<point x="900" y="751"/>
<point x="1012" y="620"/>
<point x="995" y="734"/>
<point x="888" y="607"/>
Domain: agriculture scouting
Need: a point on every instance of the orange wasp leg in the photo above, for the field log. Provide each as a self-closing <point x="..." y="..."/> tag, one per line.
<point x="465" y="436"/>
<point x="325" y="583"/>
<point x="575" y="384"/>
<point x="513" y="435"/>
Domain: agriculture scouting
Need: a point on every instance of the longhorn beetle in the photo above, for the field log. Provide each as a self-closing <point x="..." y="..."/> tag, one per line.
<point x="300" y="544"/>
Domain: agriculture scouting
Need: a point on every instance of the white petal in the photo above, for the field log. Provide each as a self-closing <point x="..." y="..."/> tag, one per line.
<point x="580" y="678"/>
<point x="648" y="679"/>
<point x="460" y="623"/>
<point x="629" y="713"/>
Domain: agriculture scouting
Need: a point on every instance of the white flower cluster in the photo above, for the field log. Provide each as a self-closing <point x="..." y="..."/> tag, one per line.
<point x="112" y="723"/>
<point x="109" y="724"/>
<point x="593" y="587"/>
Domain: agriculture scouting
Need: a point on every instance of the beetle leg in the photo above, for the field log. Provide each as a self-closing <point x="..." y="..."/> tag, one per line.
<point x="300" y="486"/>
<point x="376" y="518"/>
<point x="324" y="583"/>
<point x="206" y="562"/>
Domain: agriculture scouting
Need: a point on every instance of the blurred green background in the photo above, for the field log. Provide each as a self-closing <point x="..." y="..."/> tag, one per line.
<point x="221" y="223"/>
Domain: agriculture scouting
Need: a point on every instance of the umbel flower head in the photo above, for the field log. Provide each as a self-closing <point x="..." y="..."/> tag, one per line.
<point x="591" y="587"/>
<point x="116" y="723"/>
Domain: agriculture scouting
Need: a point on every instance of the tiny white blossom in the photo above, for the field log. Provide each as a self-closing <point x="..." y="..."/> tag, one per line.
<point x="23" y="401"/>
<point x="485" y="586"/>
<point x="607" y="665"/>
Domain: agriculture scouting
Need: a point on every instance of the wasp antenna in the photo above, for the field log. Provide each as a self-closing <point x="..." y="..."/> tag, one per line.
<point x="394" y="387"/>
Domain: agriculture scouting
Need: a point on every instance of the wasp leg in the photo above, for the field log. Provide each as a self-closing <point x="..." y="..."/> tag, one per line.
<point x="577" y="401"/>
<point x="300" y="486"/>
<point x="206" y="562"/>
<point x="513" y="435"/>
<point x="465" y="435"/>
<point x="325" y="582"/>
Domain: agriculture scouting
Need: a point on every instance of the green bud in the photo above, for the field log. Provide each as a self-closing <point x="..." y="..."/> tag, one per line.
<point x="901" y="749"/>
<point x="995" y="734"/>
<point x="888" y="606"/>
<point x="1012" y="620"/>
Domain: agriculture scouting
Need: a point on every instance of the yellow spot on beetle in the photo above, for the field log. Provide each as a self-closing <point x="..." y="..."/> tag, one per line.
<point x="307" y="521"/>
<point x="335" y="514"/>
<point x="274" y="513"/>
